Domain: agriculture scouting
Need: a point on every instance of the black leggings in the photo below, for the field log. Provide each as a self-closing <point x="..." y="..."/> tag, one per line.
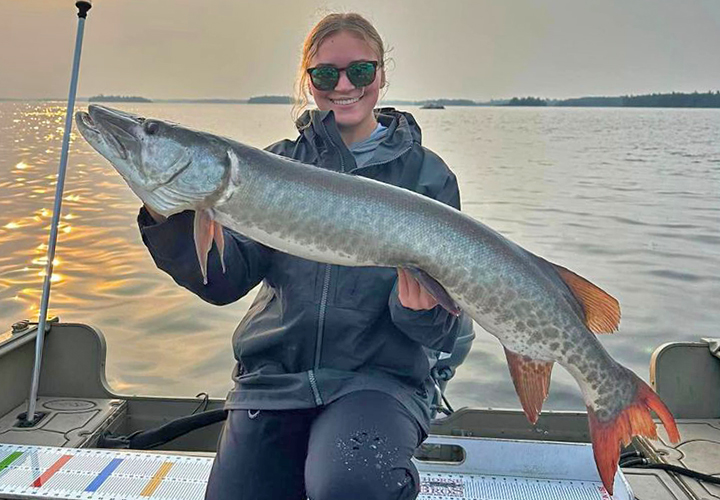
<point x="356" y="448"/>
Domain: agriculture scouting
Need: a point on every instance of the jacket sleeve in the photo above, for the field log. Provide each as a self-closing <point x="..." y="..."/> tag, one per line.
<point x="435" y="328"/>
<point x="172" y="247"/>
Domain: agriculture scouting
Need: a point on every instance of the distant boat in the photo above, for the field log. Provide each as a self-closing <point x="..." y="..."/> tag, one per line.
<point x="432" y="105"/>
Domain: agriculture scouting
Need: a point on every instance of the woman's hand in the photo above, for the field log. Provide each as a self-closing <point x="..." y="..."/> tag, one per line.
<point x="158" y="218"/>
<point x="411" y="294"/>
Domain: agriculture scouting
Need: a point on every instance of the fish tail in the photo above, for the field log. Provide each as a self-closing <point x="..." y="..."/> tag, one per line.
<point x="634" y="419"/>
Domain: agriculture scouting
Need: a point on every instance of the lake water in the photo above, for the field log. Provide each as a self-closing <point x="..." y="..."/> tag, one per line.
<point x="628" y="198"/>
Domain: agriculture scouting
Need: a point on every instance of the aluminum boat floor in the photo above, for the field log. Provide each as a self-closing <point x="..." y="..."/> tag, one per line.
<point x="490" y="469"/>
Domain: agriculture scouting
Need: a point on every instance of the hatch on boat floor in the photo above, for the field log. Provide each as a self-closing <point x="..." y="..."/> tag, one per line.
<point x="481" y="469"/>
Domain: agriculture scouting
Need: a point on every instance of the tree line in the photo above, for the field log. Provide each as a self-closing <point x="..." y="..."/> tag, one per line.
<point x="670" y="100"/>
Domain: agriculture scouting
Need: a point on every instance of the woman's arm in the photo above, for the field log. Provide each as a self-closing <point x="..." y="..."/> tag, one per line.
<point x="172" y="247"/>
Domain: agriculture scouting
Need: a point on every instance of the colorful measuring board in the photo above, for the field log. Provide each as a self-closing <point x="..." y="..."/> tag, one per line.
<point x="45" y="472"/>
<point x="84" y="474"/>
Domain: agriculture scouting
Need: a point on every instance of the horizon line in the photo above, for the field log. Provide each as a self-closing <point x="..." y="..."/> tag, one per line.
<point x="245" y="99"/>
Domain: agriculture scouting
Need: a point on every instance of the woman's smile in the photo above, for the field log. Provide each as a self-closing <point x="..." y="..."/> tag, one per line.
<point x="346" y="101"/>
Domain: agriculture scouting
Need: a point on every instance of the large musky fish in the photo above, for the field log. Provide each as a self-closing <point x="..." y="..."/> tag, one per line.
<point x="542" y="313"/>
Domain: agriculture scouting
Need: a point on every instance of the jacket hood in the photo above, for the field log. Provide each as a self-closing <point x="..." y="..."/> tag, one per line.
<point x="403" y="131"/>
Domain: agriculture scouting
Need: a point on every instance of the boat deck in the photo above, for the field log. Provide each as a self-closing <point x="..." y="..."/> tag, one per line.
<point x="473" y="454"/>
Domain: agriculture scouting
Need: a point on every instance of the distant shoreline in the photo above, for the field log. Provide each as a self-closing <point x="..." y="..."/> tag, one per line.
<point x="668" y="100"/>
<point x="117" y="98"/>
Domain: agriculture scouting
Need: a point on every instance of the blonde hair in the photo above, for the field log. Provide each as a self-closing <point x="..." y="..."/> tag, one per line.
<point x="328" y="26"/>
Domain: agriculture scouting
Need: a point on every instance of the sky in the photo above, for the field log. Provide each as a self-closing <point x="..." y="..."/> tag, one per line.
<point x="474" y="49"/>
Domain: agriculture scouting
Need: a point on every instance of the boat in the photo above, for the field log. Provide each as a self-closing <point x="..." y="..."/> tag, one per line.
<point x="432" y="105"/>
<point x="86" y="441"/>
<point x="82" y="446"/>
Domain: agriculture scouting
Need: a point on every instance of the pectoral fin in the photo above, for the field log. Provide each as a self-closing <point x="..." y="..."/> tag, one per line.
<point x="435" y="289"/>
<point x="220" y="242"/>
<point x="531" y="378"/>
<point x="203" y="233"/>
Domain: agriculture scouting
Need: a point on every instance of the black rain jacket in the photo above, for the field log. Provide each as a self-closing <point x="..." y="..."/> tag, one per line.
<point x="316" y="332"/>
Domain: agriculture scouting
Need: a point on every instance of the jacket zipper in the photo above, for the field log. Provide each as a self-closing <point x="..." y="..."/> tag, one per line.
<point x="321" y="316"/>
<point x="323" y="303"/>
<point x="314" y="387"/>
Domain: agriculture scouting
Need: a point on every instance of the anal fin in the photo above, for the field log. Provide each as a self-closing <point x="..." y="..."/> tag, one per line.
<point x="531" y="378"/>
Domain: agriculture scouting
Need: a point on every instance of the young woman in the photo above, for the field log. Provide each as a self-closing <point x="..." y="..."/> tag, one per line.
<point x="332" y="384"/>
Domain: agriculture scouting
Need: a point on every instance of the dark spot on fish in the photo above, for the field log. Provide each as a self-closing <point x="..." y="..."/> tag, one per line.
<point x="550" y="332"/>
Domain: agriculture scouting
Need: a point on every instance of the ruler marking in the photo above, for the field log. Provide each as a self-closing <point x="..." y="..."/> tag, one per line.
<point x="10" y="459"/>
<point x="104" y="474"/>
<point x="155" y="482"/>
<point x="51" y="471"/>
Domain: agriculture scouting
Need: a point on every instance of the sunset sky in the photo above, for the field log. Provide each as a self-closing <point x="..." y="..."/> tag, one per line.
<point x="476" y="49"/>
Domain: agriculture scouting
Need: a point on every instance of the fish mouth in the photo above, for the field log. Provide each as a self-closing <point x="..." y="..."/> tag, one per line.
<point x="85" y="121"/>
<point x="115" y="134"/>
<point x="114" y="127"/>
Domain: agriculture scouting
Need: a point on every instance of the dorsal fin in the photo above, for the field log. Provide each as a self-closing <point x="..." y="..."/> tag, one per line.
<point x="602" y="310"/>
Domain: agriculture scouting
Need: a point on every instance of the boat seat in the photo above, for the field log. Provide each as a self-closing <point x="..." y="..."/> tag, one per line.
<point x="686" y="375"/>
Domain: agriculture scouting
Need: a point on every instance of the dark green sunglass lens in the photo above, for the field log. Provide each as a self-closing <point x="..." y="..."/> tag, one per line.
<point x="361" y="74"/>
<point x="325" y="77"/>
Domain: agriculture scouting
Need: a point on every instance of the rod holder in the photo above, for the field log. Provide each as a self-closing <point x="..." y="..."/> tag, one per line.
<point x="83" y="7"/>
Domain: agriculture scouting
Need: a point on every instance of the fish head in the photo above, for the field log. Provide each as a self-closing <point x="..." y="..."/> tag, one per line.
<point x="169" y="167"/>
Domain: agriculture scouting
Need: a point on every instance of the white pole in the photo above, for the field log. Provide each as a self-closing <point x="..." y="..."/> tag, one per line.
<point x="83" y="7"/>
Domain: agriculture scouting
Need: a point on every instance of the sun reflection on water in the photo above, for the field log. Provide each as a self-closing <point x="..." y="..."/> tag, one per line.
<point x="106" y="276"/>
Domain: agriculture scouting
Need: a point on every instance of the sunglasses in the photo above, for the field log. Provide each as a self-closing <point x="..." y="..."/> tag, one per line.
<point x="360" y="74"/>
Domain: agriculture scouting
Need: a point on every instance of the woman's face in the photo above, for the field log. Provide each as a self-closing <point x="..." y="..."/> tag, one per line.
<point x="353" y="107"/>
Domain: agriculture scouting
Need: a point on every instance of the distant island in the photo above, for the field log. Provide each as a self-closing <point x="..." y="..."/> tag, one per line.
<point x="425" y="102"/>
<point x="271" y="99"/>
<point x="526" y="101"/>
<point x="671" y="100"/>
<point x="215" y="100"/>
<point x="117" y="98"/>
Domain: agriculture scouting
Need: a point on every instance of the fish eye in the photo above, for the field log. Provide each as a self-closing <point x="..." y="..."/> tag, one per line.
<point x="150" y="127"/>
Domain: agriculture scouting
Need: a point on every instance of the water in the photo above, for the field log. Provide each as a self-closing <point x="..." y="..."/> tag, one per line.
<point x="627" y="198"/>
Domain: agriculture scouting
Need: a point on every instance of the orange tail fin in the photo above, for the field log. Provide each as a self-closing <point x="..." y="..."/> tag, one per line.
<point x="634" y="420"/>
